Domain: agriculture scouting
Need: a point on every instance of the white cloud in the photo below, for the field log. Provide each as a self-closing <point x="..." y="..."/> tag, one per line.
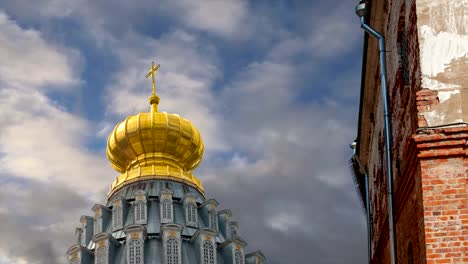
<point x="225" y="18"/>
<point x="7" y="260"/>
<point x="284" y="221"/>
<point x="327" y="36"/>
<point x="40" y="140"/>
<point x="184" y="82"/>
<point x="43" y="8"/>
<point x="29" y="62"/>
<point x="45" y="143"/>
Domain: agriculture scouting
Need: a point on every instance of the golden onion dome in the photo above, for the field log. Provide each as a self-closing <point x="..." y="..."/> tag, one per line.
<point x="155" y="145"/>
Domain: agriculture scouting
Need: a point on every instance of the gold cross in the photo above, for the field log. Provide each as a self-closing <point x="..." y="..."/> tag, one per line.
<point x="151" y="73"/>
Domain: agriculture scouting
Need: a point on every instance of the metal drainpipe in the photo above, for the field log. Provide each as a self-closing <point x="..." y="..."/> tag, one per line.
<point x="361" y="11"/>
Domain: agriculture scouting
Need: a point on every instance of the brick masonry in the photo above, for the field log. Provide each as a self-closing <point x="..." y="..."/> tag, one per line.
<point x="444" y="167"/>
<point x="430" y="163"/>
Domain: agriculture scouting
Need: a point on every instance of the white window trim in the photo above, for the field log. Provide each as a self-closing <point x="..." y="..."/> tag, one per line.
<point x="83" y="240"/>
<point x="117" y="217"/>
<point x="97" y="225"/>
<point x="191" y="217"/>
<point x="233" y="230"/>
<point x="143" y="212"/>
<point x="104" y="258"/>
<point x="170" y="211"/>
<point x="78" y="235"/>
<point x="213" y="219"/>
<point x="178" y="249"/>
<point x="204" y="259"/>
<point x="241" y="260"/>
<point x="141" y="256"/>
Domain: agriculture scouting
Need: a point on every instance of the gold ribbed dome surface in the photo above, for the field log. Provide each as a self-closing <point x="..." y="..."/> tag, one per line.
<point x="148" y="138"/>
<point x="155" y="145"/>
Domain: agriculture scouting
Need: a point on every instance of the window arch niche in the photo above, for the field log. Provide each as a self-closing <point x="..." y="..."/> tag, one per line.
<point x="166" y="211"/>
<point x="135" y="251"/>
<point x="97" y="224"/>
<point x="78" y="234"/>
<point x="213" y="219"/>
<point x="135" y="244"/>
<point x="238" y="257"/>
<point x="172" y="243"/>
<point x="165" y="205"/>
<point x="191" y="213"/>
<point x="83" y="240"/>
<point x="208" y="253"/>
<point x="98" y="216"/>
<point x="172" y="251"/>
<point x="140" y="207"/>
<point x="87" y="229"/>
<point x="100" y="256"/>
<point x="140" y="212"/>
<point x="117" y="215"/>
<point x="191" y="210"/>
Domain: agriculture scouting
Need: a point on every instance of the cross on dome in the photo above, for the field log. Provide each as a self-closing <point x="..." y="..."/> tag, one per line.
<point x="152" y="73"/>
<point x="153" y="99"/>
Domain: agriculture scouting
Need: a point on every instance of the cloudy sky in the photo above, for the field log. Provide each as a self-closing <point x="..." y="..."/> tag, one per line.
<point x="273" y="86"/>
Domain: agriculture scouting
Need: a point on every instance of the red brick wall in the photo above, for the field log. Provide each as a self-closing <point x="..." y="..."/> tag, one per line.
<point x="444" y="169"/>
<point x="392" y="20"/>
<point x="430" y="166"/>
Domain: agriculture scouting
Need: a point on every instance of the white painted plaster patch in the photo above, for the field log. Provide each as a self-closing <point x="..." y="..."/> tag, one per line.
<point x="436" y="85"/>
<point x="437" y="52"/>
<point x="434" y="118"/>
<point x="445" y="95"/>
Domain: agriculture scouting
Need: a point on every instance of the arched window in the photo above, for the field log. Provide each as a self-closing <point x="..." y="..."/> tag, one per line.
<point x="83" y="238"/>
<point x="192" y="210"/>
<point x="208" y="253"/>
<point x="233" y="231"/>
<point x="166" y="211"/>
<point x="74" y="260"/>
<point x="117" y="217"/>
<point x="172" y="251"/>
<point x="100" y="255"/>
<point x="212" y="220"/>
<point x="238" y="258"/>
<point x="78" y="234"/>
<point x="135" y="251"/>
<point x="191" y="214"/>
<point x="140" y="211"/>
<point x="97" y="225"/>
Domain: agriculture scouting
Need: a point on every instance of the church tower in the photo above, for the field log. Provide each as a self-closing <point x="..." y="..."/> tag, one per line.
<point x="156" y="209"/>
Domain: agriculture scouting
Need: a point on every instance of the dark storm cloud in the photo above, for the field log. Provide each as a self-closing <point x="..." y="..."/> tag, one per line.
<point x="37" y="219"/>
<point x="288" y="182"/>
<point x="296" y="201"/>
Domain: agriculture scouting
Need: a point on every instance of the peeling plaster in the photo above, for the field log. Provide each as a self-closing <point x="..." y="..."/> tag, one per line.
<point x="449" y="110"/>
<point x="437" y="52"/>
<point x="433" y="84"/>
<point x="443" y="50"/>
<point x="445" y="95"/>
